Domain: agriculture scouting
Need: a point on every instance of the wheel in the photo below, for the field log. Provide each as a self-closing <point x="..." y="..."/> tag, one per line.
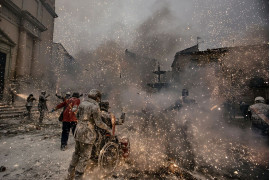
<point x="108" y="158"/>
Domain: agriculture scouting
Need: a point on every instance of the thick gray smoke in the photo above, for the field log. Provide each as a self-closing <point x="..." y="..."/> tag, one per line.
<point x="84" y="25"/>
<point x="110" y="67"/>
<point x="154" y="41"/>
<point x="157" y="30"/>
<point x="197" y="136"/>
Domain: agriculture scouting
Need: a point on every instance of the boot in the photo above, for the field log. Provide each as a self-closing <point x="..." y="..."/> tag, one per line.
<point x="63" y="147"/>
<point x="71" y="173"/>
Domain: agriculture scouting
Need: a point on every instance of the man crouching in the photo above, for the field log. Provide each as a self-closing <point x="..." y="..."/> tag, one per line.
<point x="88" y="117"/>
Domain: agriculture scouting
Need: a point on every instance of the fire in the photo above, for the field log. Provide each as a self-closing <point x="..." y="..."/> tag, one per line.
<point x="214" y="107"/>
<point x="22" y="96"/>
<point x="175" y="169"/>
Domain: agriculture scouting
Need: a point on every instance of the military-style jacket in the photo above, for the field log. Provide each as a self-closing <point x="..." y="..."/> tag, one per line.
<point x="89" y="116"/>
<point x="42" y="105"/>
<point x="106" y="118"/>
<point x="259" y="113"/>
<point x="29" y="101"/>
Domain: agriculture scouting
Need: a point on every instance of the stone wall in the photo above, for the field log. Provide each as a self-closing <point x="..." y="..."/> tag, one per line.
<point x="26" y="36"/>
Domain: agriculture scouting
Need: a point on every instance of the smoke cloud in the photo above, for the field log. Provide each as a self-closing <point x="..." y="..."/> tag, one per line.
<point x="97" y="34"/>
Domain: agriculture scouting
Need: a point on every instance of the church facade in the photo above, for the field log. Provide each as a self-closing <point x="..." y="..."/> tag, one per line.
<point x="26" y="42"/>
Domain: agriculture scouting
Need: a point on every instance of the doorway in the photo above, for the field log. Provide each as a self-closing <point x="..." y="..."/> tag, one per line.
<point x="2" y="73"/>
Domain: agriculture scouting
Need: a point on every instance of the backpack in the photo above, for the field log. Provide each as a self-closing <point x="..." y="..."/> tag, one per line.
<point x="61" y="116"/>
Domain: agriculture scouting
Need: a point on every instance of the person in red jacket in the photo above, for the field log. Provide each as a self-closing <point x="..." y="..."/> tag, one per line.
<point x="69" y="117"/>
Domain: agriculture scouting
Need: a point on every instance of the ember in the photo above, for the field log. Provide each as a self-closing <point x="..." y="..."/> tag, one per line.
<point x="186" y="81"/>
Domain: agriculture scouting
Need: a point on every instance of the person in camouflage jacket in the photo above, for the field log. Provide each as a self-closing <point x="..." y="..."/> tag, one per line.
<point x="89" y="116"/>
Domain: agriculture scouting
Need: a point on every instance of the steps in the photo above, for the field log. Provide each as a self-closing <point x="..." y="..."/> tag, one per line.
<point x="18" y="110"/>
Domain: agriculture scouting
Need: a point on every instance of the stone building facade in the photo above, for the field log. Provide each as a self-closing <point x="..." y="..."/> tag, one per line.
<point x="228" y="72"/>
<point x="65" y="68"/>
<point x="26" y="40"/>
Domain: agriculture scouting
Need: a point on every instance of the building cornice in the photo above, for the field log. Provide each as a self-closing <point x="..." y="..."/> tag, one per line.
<point x="23" y="14"/>
<point x="13" y="7"/>
<point x="26" y="15"/>
<point x="6" y="39"/>
<point x="49" y="8"/>
<point x="216" y="51"/>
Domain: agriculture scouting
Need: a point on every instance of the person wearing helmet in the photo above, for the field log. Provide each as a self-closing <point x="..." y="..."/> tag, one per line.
<point x="42" y="105"/>
<point x="29" y="104"/>
<point x="259" y="116"/>
<point x="109" y="119"/>
<point x="63" y="98"/>
<point x="69" y="120"/>
<point x="106" y="115"/>
<point x="89" y="116"/>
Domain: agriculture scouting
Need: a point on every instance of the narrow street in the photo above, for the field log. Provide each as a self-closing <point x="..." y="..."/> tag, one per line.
<point x="134" y="90"/>
<point x="29" y="151"/>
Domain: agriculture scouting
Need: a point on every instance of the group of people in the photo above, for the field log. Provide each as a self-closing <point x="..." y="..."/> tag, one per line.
<point x="88" y="120"/>
<point x="84" y="119"/>
<point x="42" y="105"/>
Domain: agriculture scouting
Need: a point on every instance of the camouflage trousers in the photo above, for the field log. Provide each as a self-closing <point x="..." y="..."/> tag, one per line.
<point x="80" y="158"/>
<point x="41" y="116"/>
<point x="28" y="108"/>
